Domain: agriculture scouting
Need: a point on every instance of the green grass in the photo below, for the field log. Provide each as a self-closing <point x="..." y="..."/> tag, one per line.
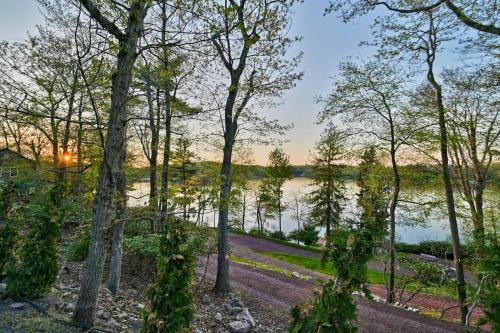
<point x="373" y="277"/>
<point x="262" y="266"/>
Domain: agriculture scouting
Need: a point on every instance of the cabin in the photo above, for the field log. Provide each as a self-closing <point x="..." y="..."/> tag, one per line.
<point x="18" y="169"/>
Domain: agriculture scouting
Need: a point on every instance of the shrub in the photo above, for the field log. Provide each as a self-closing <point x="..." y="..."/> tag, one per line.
<point x="79" y="248"/>
<point x="307" y="235"/>
<point x="36" y="270"/>
<point x="332" y="311"/>
<point x="170" y="300"/>
<point x="278" y="235"/>
<point x="257" y="233"/>
<point x="8" y="233"/>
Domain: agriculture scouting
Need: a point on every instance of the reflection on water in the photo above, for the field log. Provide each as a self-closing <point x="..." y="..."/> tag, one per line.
<point x="436" y="226"/>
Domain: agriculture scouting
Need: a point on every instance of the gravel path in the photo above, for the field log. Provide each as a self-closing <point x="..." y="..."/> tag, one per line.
<point x="279" y="292"/>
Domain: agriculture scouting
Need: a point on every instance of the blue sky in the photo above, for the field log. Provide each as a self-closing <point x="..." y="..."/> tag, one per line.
<point x="326" y="41"/>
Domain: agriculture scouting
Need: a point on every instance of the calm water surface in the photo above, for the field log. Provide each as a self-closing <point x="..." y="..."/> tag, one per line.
<point x="435" y="226"/>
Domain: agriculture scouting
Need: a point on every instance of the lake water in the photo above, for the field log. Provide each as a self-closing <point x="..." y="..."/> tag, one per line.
<point x="435" y="225"/>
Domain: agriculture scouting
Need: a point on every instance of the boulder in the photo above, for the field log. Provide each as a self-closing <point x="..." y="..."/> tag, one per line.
<point x="69" y="307"/>
<point x="234" y="302"/>
<point x="245" y="315"/>
<point x="239" y="326"/>
<point x="218" y="317"/>
<point x="103" y="314"/>
<point x="235" y="310"/>
<point x="17" y="306"/>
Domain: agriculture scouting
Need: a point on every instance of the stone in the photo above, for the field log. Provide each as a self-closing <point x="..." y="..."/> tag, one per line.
<point x="132" y="291"/>
<point x="136" y="323"/>
<point x="3" y="287"/>
<point x="296" y="274"/>
<point x="218" y="317"/>
<point x="227" y="307"/>
<point x="245" y="315"/>
<point x="205" y="300"/>
<point x="113" y="323"/>
<point x="140" y="306"/>
<point x="17" y="306"/>
<point x="69" y="307"/>
<point x="195" y="330"/>
<point x="103" y="314"/>
<point x="234" y="302"/>
<point x="235" y="310"/>
<point x="239" y="326"/>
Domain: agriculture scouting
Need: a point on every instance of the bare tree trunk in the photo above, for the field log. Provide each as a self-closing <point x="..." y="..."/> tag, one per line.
<point x="392" y="217"/>
<point x="111" y="166"/>
<point x="222" y="282"/>
<point x="450" y="201"/>
<point x="115" y="270"/>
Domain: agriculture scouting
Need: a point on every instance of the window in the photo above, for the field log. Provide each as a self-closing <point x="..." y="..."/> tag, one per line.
<point x="13" y="172"/>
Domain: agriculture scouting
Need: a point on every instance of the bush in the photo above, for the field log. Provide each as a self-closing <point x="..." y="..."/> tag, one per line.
<point x="307" y="235"/>
<point x="257" y="233"/>
<point x="278" y="235"/>
<point x="79" y="248"/>
<point x="8" y="233"/>
<point x="332" y="311"/>
<point x="36" y="270"/>
<point x="442" y="249"/>
<point x="170" y="300"/>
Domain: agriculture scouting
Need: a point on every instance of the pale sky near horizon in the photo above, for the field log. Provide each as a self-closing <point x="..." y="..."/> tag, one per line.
<point x="326" y="41"/>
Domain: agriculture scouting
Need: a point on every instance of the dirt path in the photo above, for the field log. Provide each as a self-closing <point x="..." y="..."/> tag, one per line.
<point x="280" y="292"/>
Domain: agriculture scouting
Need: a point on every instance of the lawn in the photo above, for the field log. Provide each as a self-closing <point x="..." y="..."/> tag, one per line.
<point x="373" y="277"/>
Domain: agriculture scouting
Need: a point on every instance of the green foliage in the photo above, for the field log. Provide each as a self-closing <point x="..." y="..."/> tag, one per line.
<point x="327" y="200"/>
<point x="8" y="233"/>
<point x="490" y="266"/>
<point x="79" y="248"/>
<point x="331" y="312"/>
<point x="170" y="308"/>
<point x="278" y="235"/>
<point x="32" y="274"/>
<point x="442" y="249"/>
<point x="307" y="235"/>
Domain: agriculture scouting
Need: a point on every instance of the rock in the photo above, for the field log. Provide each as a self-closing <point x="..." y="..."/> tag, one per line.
<point x="140" y="306"/>
<point x="227" y="307"/>
<point x="296" y="274"/>
<point x="136" y="323"/>
<point x="195" y="330"/>
<point x="69" y="307"/>
<point x="234" y="302"/>
<point x="17" y="306"/>
<point x="206" y="299"/>
<point x="235" y="310"/>
<point x="3" y="287"/>
<point x="246" y="316"/>
<point x="112" y="323"/>
<point x="378" y="299"/>
<point x="132" y="292"/>
<point x="218" y="317"/>
<point x="239" y="326"/>
<point x="103" y="314"/>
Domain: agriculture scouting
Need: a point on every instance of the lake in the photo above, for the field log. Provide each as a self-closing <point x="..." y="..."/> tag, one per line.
<point x="435" y="225"/>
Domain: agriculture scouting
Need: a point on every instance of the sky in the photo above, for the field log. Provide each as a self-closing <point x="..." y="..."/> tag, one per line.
<point x="326" y="42"/>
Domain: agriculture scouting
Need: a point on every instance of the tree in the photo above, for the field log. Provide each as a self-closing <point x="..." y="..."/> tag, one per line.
<point x="111" y="165"/>
<point x="278" y="172"/>
<point x="170" y="308"/>
<point x="249" y="38"/>
<point x="327" y="200"/>
<point x="472" y="104"/>
<point x="183" y="159"/>
<point x="412" y="36"/>
<point x="477" y="11"/>
<point x="370" y="98"/>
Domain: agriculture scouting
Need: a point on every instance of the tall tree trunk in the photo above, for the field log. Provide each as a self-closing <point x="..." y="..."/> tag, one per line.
<point x="153" y="159"/>
<point x="222" y="282"/>
<point x="111" y="166"/>
<point x="450" y="201"/>
<point x="115" y="269"/>
<point x="392" y="217"/>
